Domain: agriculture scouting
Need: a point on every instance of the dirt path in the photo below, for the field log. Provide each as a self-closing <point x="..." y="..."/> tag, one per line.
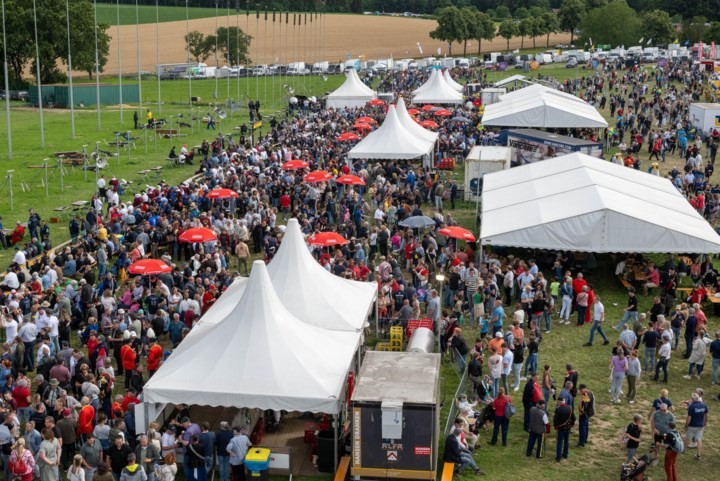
<point x="373" y="37"/>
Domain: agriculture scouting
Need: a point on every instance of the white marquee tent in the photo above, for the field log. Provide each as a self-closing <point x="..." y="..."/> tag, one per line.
<point x="542" y="109"/>
<point x="580" y="203"/>
<point x="534" y="90"/>
<point x="259" y="356"/>
<point x="352" y="93"/>
<point x="434" y="73"/>
<point x="437" y="91"/>
<point x="391" y="141"/>
<point x="451" y="82"/>
<point x="413" y="127"/>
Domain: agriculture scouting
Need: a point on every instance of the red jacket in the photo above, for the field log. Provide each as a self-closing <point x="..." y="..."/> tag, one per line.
<point x="128" y="357"/>
<point x="85" y="419"/>
<point x="154" y="357"/>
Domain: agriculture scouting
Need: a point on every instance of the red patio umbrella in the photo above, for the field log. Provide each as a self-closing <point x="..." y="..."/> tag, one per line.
<point x="366" y="120"/>
<point x="149" y="267"/>
<point x="413" y="111"/>
<point x="350" y="180"/>
<point x="317" y="176"/>
<point x="443" y="113"/>
<point x="428" y="107"/>
<point x="429" y="124"/>
<point x="222" y="194"/>
<point x="348" y="137"/>
<point x="376" y="102"/>
<point x="198" y="235"/>
<point x="362" y="126"/>
<point x="326" y="239"/>
<point x="295" y="164"/>
<point x="457" y="232"/>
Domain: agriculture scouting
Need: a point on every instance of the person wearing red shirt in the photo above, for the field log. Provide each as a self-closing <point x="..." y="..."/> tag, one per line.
<point x="154" y="357"/>
<point x="208" y="298"/>
<point x="501" y="421"/>
<point x="285" y="202"/>
<point x="653" y="279"/>
<point x="86" y="418"/>
<point x="22" y="397"/>
<point x="591" y="299"/>
<point x="128" y="358"/>
<point x="363" y="271"/>
<point x="578" y="283"/>
<point x="130" y="398"/>
<point x="116" y="410"/>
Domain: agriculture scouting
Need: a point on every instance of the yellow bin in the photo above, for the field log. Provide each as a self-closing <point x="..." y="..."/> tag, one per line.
<point x="257" y="461"/>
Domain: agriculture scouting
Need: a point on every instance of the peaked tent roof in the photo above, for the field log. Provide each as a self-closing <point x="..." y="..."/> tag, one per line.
<point x="260" y="356"/>
<point x="512" y="79"/>
<point x="391" y="141"/>
<point x="427" y="83"/>
<point x="437" y="91"/>
<point x="533" y="90"/>
<point x="452" y="83"/>
<point x="411" y="126"/>
<point x="581" y="203"/>
<point x="352" y="93"/>
<point x="543" y="110"/>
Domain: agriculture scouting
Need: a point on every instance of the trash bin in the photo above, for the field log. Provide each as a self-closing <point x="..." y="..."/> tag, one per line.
<point x="257" y="462"/>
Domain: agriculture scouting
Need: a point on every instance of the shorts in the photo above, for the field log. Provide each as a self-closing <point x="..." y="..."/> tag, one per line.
<point x="695" y="434"/>
<point x="659" y="438"/>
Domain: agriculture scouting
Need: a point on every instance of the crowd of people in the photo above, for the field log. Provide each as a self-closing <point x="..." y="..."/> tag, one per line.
<point x="64" y="406"/>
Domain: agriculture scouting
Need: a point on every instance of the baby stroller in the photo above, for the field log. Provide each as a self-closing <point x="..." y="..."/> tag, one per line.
<point x="635" y="469"/>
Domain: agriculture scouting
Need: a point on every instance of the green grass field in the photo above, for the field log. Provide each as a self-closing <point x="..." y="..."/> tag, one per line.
<point x="107" y="13"/>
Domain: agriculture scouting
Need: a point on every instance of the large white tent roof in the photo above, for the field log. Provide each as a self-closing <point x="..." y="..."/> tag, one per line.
<point x="434" y="73"/>
<point x="413" y="127"/>
<point x="580" y="203"/>
<point x="352" y="93"/>
<point x="540" y="108"/>
<point x="260" y="356"/>
<point x="446" y="75"/>
<point x="391" y="141"/>
<point x="437" y="91"/>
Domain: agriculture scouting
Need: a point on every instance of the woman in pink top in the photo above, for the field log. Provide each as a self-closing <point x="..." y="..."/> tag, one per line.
<point x="619" y="365"/>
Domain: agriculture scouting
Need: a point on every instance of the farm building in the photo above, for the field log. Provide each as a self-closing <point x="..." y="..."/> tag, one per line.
<point x="58" y="95"/>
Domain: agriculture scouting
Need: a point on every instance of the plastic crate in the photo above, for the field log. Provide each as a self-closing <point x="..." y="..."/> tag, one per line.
<point x="382" y="346"/>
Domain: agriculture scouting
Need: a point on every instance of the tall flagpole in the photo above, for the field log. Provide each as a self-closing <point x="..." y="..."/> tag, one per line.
<point x="257" y="52"/>
<point x="285" y="50"/>
<point x="187" y="34"/>
<point x="247" y="32"/>
<point x="119" y="62"/>
<point x="7" y="85"/>
<point x="273" y="83"/>
<point x="137" y="40"/>
<point x="304" y="54"/>
<point x="266" y="58"/>
<point x="217" y="65"/>
<point x="39" y="83"/>
<point x="227" y="58"/>
<point x="70" y="70"/>
<point x="97" y="68"/>
<point x="157" y="57"/>
<point x="237" y="54"/>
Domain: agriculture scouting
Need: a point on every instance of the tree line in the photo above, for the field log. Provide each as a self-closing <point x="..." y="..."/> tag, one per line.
<point x="52" y="40"/>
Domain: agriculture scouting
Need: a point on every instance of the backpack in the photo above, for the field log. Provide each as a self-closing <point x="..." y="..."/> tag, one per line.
<point x="678" y="445"/>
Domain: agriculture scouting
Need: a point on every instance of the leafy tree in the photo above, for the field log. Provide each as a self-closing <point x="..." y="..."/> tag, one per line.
<point x="233" y="44"/>
<point x="694" y="29"/>
<point x="537" y="11"/>
<point x="524" y="29"/>
<point x="593" y="4"/>
<point x="472" y="26"/>
<point x="551" y="25"/>
<point x="712" y="34"/>
<point x="486" y="29"/>
<point x="522" y="13"/>
<point x="507" y="30"/>
<point x="502" y="12"/>
<point x="356" y="6"/>
<point x="570" y="15"/>
<point x="451" y="27"/>
<point x="658" y="27"/>
<point x="537" y="28"/>
<point x="82" y="39"/>
<point x="199" y="46"/>
<point x="616" y="24"/>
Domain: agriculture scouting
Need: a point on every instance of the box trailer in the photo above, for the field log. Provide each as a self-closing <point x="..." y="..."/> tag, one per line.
<point x="705" y="116"/>
<point x="396" y="416"/>
<point x="480" y="161"/>
<point x="530" y="145"/>
<point x="492" y="95"/>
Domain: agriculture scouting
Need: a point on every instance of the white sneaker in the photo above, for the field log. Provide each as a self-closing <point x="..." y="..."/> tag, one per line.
<point x="692" y="445"/>
<point x="523" y="378"/>
<point x="687" y="376"/>
<point x="547" y="332"/>
<point x="631" y="402"/>
<point x="516" y="388"/>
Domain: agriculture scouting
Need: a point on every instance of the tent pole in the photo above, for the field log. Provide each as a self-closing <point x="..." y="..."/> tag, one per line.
<point x="336" y="421"/>
<point x="146" y="410"/>
<point x="377" y="318"/>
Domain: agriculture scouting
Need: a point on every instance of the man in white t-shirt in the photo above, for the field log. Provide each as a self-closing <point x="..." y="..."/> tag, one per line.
<point x="11" y="328"/>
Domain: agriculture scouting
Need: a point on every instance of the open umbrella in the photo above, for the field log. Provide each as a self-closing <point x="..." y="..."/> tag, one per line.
<point x="428" y="107"/>
<point x="457" y="232"/>
<point x="295" y="164"/>
<point x="221" y="194"/>
<point x="429" y="124"/>
<point x="366" y="120"/>
<point x="417" y="222"/>
<point x="362" y="126"/>
<point x="149" y="267"/>
<point x="350" y="180"/>
<point x="348" y="137"/>
<point x="376" y="102"/>
<point x="443" y="113"/>
<point x="198" y="235"/>
<point x="326" y="239"/>
<point x="460" y="118"/>
<point x="413" y="111"/>
<point x="317" y="176"/>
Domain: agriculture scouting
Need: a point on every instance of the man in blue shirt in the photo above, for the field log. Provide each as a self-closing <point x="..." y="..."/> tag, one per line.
<point x="237" y="448"/>
<point x="715" y="355"/>
<point x="695" y="423"/>
<point x="497" y="317"/>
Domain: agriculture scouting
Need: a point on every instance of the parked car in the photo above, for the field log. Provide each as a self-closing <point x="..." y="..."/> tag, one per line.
<point x="571" y="63"/>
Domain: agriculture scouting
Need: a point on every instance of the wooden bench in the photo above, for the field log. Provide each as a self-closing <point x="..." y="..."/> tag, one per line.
<point x="624" y="282"/>
<point x="447" y="472"/>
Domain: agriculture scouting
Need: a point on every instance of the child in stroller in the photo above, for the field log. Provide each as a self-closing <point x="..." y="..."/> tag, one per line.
<point x="635" y="469"/>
